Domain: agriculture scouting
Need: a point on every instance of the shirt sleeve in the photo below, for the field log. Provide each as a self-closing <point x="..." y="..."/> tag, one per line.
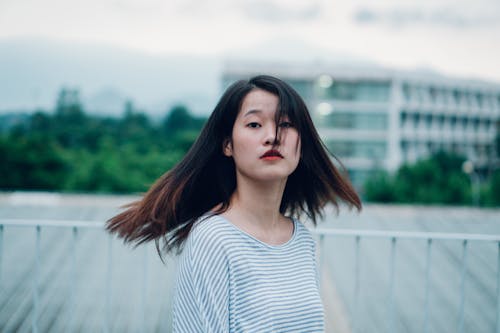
<point x="201" y="297"/>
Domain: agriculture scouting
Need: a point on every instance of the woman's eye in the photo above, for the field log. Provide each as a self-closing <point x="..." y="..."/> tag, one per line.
<point x="286" y="124"/>
<point x="253" y="125"/>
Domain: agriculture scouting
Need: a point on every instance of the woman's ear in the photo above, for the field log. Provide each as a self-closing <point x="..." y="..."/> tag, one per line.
<point x="227" y="147"/>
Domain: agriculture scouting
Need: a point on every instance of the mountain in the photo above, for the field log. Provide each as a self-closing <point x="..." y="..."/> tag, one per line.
<point x="32" y="71"/>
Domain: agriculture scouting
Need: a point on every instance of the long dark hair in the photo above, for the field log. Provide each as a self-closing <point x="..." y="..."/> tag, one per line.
<point x="206" y="178"/>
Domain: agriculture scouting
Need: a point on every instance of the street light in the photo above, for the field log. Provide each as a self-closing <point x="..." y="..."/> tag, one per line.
<point x="468" y="168"/>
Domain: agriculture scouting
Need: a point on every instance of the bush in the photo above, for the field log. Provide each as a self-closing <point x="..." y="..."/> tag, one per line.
<point x="438" y="179"/>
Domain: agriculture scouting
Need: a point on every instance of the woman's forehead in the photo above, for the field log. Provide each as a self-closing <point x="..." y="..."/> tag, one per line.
<point x="261" y="103"/>
<point x="259" y="100"/>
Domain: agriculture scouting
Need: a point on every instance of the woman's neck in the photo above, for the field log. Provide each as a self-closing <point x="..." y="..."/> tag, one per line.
<point x="257" y="205"/>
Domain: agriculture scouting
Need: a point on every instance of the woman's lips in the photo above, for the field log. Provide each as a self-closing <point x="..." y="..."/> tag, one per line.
<point x="271" y="155"/>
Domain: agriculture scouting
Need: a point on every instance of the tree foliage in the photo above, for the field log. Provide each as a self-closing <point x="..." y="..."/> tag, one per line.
<point x="31" y="162"/>
<point x="438" y="179"/>
<point x="69" y="150"/>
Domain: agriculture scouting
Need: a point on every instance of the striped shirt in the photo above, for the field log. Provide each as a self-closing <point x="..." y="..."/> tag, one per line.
<point x="229" y="281"/>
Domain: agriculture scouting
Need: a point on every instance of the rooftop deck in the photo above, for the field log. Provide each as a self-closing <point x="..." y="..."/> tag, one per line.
<point x="72" y="277"/>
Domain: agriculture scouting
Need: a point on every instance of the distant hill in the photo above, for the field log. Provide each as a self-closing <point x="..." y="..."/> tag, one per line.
<point x="34" y="70"/>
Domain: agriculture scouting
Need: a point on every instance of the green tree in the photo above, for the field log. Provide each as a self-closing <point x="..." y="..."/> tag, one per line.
<point x="380" y="188"/>
<point x="135" y="128"/>
<point x="493" y="190"/>
<point x="438" y="179"/>
<point x="177" y="119"/>
<point x="69" y="121"/>
<point x="31" y="163"/>
<point x="41" y="123"/>
<point x="180" y="119"/>
<point x="72" y="151"/>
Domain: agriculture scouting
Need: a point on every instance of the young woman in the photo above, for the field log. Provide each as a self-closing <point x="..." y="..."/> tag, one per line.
<point x="232" y="205"/>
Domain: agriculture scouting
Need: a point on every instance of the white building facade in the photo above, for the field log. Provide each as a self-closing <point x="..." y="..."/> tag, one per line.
<point x="373" y="118"/>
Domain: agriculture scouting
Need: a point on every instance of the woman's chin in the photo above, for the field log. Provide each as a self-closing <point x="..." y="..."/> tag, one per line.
<point x="269" y="177"/>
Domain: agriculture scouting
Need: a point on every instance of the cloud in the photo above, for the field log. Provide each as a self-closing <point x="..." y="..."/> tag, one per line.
<point x="267" y="11"/>
<point x="454" y="17"/>
<point x="279" y="11"/>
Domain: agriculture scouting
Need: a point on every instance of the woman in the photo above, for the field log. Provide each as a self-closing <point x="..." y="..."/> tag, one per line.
<point x="232" y="206"/>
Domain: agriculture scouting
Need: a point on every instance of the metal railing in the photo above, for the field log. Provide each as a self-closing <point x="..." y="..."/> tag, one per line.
<point x="109" y="305"/>
<point x="430" y="237"/>
<point x="38" y="224"/>
<point x="322" y="233"/>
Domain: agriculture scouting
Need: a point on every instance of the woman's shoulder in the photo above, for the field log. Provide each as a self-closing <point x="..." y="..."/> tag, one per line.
<point x="298" y="223"/>
<point x="302" y="232"/>
<point x="208" y="231"/>
<point x="205" y="251"/>
<point x="209" y="224"/>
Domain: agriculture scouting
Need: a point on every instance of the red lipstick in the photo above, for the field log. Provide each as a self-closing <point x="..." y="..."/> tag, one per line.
<point x="271" y="155"/>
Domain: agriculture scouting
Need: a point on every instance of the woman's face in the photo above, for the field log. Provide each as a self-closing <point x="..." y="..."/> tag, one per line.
<point x="257" y="153"/>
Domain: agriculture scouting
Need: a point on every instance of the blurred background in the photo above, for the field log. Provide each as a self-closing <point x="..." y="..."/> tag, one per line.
<point x="100" y="98"/>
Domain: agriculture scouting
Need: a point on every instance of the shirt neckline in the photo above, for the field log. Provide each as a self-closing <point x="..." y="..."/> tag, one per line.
<point x="279" y="246"/>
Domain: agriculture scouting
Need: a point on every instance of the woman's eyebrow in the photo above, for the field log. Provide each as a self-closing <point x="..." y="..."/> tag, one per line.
<point x="250" y="112"/>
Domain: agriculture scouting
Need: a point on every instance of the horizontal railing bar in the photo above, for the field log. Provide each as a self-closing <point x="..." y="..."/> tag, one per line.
<point x="51" y="223"/>
<point x="405" y="234"/>
<point x="318" y="231"/>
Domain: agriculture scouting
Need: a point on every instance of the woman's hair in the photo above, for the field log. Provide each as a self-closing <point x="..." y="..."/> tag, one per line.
<point x="206" y="178"/>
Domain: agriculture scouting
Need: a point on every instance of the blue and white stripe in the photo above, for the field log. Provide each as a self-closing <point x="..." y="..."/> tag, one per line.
<point x="228" y="281"/>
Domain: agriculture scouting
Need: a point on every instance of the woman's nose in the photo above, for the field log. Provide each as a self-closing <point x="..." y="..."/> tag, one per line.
<point x="271" y="137"/>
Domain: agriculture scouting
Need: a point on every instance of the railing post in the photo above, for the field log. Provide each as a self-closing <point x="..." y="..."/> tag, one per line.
<point x="462" y="288"/>
<point x="107" y="293"/>
<point x="72" y="284"/>
<point x="498" y="289"/>
<point x="1" y="253"/>
<point x="355" y="323"/>
<point x="391" y="285"/>
<point x="427" y="285"/>
<point x="34" y="321"/>
<point x="145" y="277"/>
<point x="321" y="256"/>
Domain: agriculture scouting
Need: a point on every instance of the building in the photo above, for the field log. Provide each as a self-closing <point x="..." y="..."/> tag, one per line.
<point x="375" y="118"/>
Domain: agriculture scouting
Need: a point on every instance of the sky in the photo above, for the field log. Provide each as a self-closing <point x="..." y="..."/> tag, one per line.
<point x="456" y="37"/>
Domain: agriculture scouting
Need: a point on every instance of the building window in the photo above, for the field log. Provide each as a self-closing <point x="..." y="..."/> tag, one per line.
<point x="487" y="125"/>
<point x="403" y="118"/>
<point x="441" y="121"/>
<point x="363" y="91"/>
<point x="456" y="97"/>
<point x="428" y="121"/>
<point x="404" y="149"/>
<point x="476" y="124"/>
<point x="480" y="100"/>
<point x="471" y="99"/>
<point x="406" y="92"/>
<point x="364" y="149"/>
<point x="354" y="120"/>
<point x="416" y="120"/>
<point x="464" y="123"/>
<point x="453" y="122"/>
<point x="433" y="93"/>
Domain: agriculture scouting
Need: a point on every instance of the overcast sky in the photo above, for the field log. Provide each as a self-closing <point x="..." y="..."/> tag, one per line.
<point x="455" y="37"/>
